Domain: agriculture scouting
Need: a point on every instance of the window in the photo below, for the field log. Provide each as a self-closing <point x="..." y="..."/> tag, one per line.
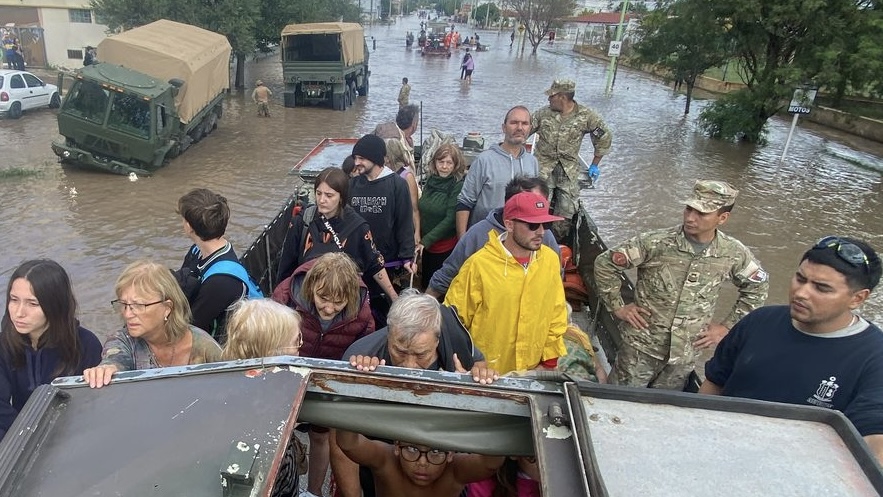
<point x="75" y="54"/>
<point x="16" y="82"/>
<point x="32" y="81"/>
<point x="80" y="15"/>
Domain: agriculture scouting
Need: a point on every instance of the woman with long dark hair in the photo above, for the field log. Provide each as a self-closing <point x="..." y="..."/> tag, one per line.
<point x="40" y="337"/>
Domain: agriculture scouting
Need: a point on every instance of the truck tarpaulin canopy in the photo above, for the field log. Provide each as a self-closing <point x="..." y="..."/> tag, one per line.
<point x="166" y="49"/>
<point x="352" y="37"/>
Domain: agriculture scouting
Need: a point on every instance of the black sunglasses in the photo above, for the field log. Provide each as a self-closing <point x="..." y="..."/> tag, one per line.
<point x="848" y="251"/>
<point x="536" y="226"/>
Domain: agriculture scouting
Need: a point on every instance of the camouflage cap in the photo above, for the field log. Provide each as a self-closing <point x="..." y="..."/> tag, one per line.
<point x="561" y="86"/>
<point x="709" y="196"/>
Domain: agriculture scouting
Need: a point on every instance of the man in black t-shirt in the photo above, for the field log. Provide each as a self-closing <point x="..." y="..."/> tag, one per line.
<point x="816" y="351"/>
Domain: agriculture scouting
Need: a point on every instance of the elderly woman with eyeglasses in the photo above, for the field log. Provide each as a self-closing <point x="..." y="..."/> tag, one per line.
<point x="261" y="328"/>
<point x="157" y="331"/>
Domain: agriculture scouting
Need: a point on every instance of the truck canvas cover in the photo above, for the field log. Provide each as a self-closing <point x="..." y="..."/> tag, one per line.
<point x="352" y="37"/>
<point x="166" y="49"/>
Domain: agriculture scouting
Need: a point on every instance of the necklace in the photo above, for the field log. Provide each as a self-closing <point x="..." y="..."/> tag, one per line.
<point x="156" y="358"/>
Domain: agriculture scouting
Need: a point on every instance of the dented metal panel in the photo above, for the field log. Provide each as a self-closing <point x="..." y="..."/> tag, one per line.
<point x="169" y="433"/>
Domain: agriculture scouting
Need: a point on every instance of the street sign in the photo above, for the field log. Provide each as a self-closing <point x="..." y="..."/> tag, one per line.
<point x="615" y="49"/>
<point x="801" y="102"/>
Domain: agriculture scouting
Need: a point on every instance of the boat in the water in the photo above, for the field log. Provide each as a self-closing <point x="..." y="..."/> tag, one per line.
<point x="225" y="429"/>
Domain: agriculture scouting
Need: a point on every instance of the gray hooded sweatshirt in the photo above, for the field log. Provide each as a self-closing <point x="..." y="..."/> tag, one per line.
<point x="484" y="188"/>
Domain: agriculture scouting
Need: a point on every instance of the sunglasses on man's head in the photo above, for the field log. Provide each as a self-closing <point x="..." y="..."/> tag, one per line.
<point x="848" y="251"/>
<point x="536" y="226"/>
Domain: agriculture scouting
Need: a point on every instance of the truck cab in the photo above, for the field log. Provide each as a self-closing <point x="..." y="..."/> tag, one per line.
<point x="114" y="118"/>
<point x="324" y="63"/>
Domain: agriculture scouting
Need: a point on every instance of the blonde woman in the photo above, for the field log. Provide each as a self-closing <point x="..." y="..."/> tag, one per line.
<point x="261" y="328"/>
<point x="157" y="331"/>
<point x="402" y="163"/>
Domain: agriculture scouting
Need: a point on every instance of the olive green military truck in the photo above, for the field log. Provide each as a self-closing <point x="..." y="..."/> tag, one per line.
<point x="324" y="63"/>
<point x="156" y="90"/>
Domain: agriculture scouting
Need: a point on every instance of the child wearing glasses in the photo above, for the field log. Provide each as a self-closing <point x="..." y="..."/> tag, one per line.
<point x="405" y="469"/>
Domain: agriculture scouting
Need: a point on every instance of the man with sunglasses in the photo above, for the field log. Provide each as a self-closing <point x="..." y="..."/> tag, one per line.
<point x="404" y="469"/>
<point x="680" y="272"/>
<point x="817" y="350"/>
<point x="509" y="294"/>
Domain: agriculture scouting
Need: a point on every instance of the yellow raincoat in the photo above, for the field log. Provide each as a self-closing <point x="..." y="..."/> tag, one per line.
<point x="516" y="316"/>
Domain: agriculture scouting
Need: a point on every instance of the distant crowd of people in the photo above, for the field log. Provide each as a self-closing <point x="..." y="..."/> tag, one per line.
<point x="487" y="242"/>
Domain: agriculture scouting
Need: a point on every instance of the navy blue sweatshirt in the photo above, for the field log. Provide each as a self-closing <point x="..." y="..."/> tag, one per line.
<point x="17" y="385"/>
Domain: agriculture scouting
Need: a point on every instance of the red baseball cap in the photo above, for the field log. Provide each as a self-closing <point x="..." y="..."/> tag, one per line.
<point x="529" y="207"/>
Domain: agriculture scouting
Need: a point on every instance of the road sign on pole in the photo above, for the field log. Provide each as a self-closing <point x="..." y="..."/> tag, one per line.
<point x="801" y="101"/>
<point x="615" y="49"/>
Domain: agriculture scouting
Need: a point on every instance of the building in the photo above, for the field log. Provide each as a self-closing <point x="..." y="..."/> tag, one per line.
<point x="599" y="29"/>
<point x="51" y="32"/>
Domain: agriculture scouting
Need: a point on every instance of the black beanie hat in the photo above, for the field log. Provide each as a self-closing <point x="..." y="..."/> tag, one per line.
<point x="371" y="147"/>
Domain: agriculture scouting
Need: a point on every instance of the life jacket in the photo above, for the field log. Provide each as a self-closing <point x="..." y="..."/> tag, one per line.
<point x="575" y="290"/>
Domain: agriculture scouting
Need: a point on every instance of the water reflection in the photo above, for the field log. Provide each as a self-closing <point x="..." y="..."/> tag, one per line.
<point x="95" y="224"/>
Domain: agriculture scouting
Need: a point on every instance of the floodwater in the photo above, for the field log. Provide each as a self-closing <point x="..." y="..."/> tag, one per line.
<point x="95" y="224"/>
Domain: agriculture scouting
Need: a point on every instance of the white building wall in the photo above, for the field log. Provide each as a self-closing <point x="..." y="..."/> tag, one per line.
<point x="59" y="34"/>
<point x="63" y="35"/>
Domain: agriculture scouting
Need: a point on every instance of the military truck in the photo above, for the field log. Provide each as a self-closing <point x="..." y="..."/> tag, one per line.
<point x="323" y="63"/>
<point x="157" y="90"/>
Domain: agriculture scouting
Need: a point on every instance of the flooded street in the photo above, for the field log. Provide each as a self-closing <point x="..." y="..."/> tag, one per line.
<point x="94" y="224"/>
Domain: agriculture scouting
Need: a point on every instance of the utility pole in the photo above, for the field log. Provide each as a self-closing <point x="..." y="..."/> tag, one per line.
<point x="611" y="69"/>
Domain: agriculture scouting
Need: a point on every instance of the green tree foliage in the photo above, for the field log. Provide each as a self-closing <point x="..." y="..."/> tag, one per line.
<point x="685" y="53"/>
<point x="782" y="44"/>
<point x="538" y="16"/>
<point x="486" y="14"/>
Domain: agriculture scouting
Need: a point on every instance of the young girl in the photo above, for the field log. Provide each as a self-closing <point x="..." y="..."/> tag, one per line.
<point x="438" y="208"/>
<point x="40" y="338"/>
<point x="517" y="477"/>
<point x="334" y="308"/>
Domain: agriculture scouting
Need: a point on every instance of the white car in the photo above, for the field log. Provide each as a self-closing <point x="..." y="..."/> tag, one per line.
<point x="21" y="90"/>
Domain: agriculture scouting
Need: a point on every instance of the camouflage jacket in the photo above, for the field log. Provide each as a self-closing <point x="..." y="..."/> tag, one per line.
<point x="129" y="353"/>
<point x="678" y="287"/>
<point x="559" y="137"/>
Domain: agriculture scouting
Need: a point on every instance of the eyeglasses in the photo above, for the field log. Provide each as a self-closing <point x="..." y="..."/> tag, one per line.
<point x="848" y="251"/>
<point x="536" y="226"/>
<point x="433" y="456"/>
<point x="120" y="306"/>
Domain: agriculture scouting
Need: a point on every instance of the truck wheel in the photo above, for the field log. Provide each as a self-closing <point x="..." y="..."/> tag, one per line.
<point x="15" y="110"/>
<point x="196" y="133"/>
<point x="211" y="123"/>
<point x="219" y="110"/>
<point x="364" y="90"/>
<point x="347" y="99"/>
<point x="338" y="101"/>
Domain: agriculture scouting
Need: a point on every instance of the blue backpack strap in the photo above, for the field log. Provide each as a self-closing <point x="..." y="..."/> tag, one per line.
<point x="236" y="270"/>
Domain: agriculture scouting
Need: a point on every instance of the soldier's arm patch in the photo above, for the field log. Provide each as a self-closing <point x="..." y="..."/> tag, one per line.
<point x="758" y="276"/>
<point x="598" y="132"/>
<point x="619" y="259"/>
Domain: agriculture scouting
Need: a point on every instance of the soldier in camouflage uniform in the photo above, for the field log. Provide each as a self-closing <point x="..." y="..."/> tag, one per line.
<point x="561" y="128"/>
<point x="680" y="271"/>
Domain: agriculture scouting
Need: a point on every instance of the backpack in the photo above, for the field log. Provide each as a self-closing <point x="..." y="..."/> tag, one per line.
<point x="235" y="269"/>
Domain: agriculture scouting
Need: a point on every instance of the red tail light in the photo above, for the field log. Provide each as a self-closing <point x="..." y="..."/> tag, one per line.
<point x="4" y="97"/>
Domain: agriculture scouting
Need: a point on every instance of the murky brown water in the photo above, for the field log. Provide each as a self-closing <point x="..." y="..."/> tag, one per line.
<point x="94" y="224"/>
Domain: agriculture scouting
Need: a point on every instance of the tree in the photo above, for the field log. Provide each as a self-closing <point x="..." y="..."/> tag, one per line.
<point x="486" y="14"/>
<point x="780" y="45"/>
<point x="685" y="50"/>
<point x="537" y="16"/>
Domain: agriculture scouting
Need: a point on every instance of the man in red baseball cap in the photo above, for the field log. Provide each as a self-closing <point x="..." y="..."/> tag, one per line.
<point x="509" y="294"/>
